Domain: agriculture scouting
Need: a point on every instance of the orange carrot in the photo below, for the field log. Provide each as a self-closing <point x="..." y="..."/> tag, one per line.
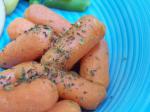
<point x="40" y="14"/>
<point x="76" y="42"/>
<point x="18" y="27"/>
<point x="28" y="47"/>
<point x="94" y="66"/>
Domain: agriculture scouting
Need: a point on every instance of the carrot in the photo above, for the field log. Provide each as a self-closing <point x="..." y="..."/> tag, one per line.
<point x="20" y="73"/>
<point x="94" y="66"/>
<point x="73" y="87"/>
<point x="18" y="27"/>
<point x="40" y="14"/>
<point x="66" y="106"/>
<point x="38" y="96"/>
<point x="76" y="42"/>
<point x="69" y="84"/>
<point x="29" y="46"/>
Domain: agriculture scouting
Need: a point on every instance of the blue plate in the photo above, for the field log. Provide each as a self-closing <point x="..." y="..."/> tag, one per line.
<point x="128" y="38"/>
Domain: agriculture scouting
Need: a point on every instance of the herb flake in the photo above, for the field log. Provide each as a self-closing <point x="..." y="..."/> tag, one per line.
<point x="81" y="41"/>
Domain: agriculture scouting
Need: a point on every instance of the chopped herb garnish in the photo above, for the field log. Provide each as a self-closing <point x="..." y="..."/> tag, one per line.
<point x="78" y="34"/>
<point x="45" y="34"/>
<point x="74" y="74"/>
<point x="25" y="31"/>
<point x="81" y="41"/>
<point x="97" y="58"/>
<point x="78" y="24"/>
<point x="83" y="31"/>
<point x="8" y="87"/>
<point x="72" y="84"/>
<point x="23" y="77"/>
<point x="49" y="32"/>
<point x="71" y="38"/>
<point x="46" y="27"/>
<point x="59" y="50"/>
<point x="92" y="72"/>
<point x="46" y="69"/>
<point x="89" y="20"/>
<point x="85" y="92"/>
<point x="64" y="29"/>
<point x="35" y="28"/>
<point x="69" y="85"/>
<point x="81" y="99"/>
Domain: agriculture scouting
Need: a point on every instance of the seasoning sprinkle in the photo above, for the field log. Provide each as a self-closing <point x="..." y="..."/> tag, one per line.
<point x="25" y="31"/>
<point x="81" y="41"/>
<point x="78" y="34"/>
<point x="97" y="58"/>
<point x="83" y="31"/>
<point x="23" y="77"/>
<point x="81" y="99"/>
<point x="45" y="34"/>
<point x="8" y="87"/>
<point x="64" y="29"/>
<point x="92" y="72"/>
<point x="85" y="92"/>
<point x="78" y="24"/>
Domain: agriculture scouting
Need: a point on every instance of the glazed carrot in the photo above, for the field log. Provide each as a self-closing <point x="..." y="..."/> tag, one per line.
<point x="40" y="14"/>
<point x="73" y="87"/>
<point x="70" y="86"/>
<point x="76" y="42"/>
<point x="29" y="46"/>
<point x="65" y="106"/>
<point x="20" y="73"/>
<point x="94" y="66"/>
<point x="18" y="27"/>
<point x="38" y="96"/>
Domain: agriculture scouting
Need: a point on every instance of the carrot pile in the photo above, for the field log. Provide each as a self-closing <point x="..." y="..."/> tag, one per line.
<point x="30" y="86"/>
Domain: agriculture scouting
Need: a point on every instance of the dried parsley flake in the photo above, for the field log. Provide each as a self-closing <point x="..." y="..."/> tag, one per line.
<point x="81" y="41"/>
